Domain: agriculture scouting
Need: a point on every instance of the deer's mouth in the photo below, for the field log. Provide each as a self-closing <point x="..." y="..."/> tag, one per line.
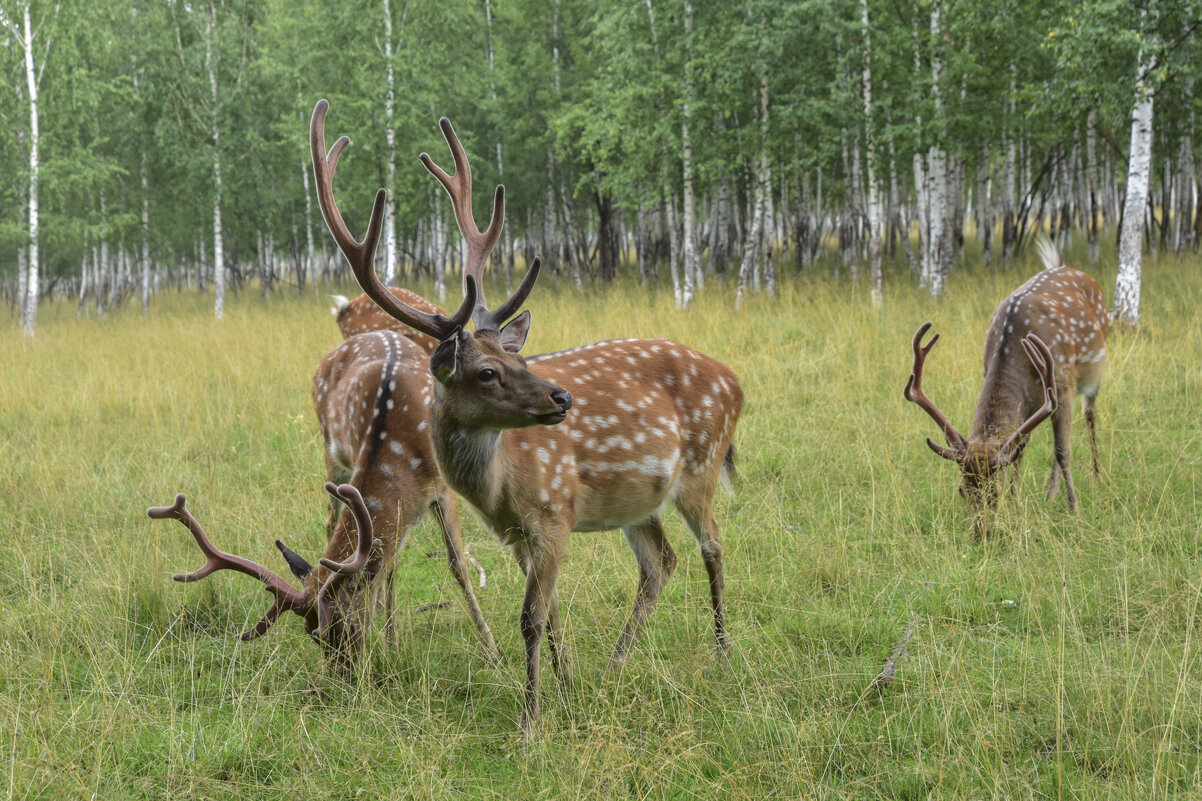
<point x="551" y="418"/>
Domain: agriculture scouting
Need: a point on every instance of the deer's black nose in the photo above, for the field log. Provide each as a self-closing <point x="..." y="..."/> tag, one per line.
<point x="562" y="399"/>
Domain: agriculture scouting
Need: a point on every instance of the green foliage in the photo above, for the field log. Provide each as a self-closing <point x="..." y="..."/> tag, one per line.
<point x="586" y="97"/>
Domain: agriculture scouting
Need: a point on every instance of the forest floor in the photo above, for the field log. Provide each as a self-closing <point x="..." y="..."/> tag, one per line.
<point x="1060" y="657"/>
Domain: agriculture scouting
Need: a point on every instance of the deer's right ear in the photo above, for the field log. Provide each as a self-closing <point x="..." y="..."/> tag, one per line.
<point x="513" y="335"/>
<point x="296" y="563"/>
<point x="446" y="357"/>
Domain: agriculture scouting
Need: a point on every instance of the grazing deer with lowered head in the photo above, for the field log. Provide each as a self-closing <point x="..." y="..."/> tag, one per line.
<point x="333" y="598"/>
<point x="652" y="423"/>
<point x="372" y="396"/>
<point x="361" y="314"/>
<point x="1046" y="342"/>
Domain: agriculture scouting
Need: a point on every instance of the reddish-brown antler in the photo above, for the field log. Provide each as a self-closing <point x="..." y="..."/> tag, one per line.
<point x="1041" y="357"/>
<point x="287" y="597"/>
<point x="361" y="255"/>
<point x="914" y="393"/>
<point x="341" y="572"/>
<point x="479" y="243"/>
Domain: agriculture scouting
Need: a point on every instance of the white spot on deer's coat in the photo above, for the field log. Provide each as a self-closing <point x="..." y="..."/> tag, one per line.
<point x="415" y="463"/>
<point x="395" y="446"/>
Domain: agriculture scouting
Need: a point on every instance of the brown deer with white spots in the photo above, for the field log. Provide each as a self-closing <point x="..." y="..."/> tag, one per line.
<point x="372" y="396"/>
<point x="1046" y="342"/>
<point x="653" y="423"/>
<point x="360" y="315"/>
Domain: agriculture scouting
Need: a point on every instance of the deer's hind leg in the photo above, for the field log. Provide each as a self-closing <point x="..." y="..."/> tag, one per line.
<point x="446" y="510"/>
<point x="1088" y="402"/>
<point x="656" y="562"/>
<point x="698" y="512"/>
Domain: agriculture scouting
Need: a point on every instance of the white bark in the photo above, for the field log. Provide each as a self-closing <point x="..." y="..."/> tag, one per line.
<point x="390" y="248"/>
<point x="1127" y="284"/>
<point x="692" y="260"/>
<point x="937" y="162"/>
<point x="218" y="246"/>
<point x="875" y="211"/>
<point x="30" y="315"/>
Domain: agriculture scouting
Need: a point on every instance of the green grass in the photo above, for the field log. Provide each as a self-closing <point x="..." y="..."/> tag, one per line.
<point x="1059" y="658"/>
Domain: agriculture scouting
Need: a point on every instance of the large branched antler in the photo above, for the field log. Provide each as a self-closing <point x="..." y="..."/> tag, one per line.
<point x="914" y="393"/>
<point x="1041" y="358"/>
<point x="341" y="572"/>
<point x="361" y="255"/>
<point x="287" y="597"/>
<point x="479" y="243"/>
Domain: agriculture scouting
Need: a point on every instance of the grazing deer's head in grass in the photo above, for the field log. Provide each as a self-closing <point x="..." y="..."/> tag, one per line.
<point x="335" y="595"/>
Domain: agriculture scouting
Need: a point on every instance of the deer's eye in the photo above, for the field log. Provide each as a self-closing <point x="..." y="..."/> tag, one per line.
<point x="488" y="374"/>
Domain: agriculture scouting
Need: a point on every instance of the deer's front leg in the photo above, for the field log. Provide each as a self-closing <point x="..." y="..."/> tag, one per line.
<point x="540" y="561"/>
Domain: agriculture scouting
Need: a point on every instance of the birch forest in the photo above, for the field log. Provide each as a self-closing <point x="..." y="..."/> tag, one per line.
<point x="692" y="146"/>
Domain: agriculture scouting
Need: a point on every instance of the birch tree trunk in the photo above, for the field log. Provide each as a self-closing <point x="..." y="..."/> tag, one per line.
<point x="218" y="245"/>
<point x="937" y="162"/>
<point x="1009" y="220"/>
<point x="692" y="260"/>
<point x="1091" y="176"/>
<point x="875" y="212"/>
<point x="390" y="243"/>
<point x="29" y="316"/>
<point x="1127" y="284"/>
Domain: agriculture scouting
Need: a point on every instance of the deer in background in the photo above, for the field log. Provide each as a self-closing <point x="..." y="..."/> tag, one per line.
<point x="1058" y="321"/>
<point x="360" y="315"/>
<point x="653" y="423"/>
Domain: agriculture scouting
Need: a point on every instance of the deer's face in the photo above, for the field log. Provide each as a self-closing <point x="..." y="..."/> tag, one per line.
<point x="980" y="479"/>
<point x="337" y="614"/>
<point x="485" y="384"/>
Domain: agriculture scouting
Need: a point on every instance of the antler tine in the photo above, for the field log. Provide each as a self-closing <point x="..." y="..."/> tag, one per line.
<point x="361" y="255"/>
<point x="1041" y="358"/>
<point x="341" y="572"/>
<point x="287" y="597"/>
<point x="914" y="393"/>
<point x="479" y="243"/>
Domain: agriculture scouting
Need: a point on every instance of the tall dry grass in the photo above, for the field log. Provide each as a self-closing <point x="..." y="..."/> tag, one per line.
<point x="1059" y="658"/>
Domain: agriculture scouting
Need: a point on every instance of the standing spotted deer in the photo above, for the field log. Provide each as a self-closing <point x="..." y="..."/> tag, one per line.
<point x="653" y="423"/>
<point x="1046" y="342"/>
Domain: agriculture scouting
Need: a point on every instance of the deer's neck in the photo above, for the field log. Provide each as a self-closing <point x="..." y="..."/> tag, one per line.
<point x="471" y="460"/>
<point x="1009" y="396"/>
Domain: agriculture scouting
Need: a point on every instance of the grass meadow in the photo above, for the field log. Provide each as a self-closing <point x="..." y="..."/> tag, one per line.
<point x="1059" y="658"/>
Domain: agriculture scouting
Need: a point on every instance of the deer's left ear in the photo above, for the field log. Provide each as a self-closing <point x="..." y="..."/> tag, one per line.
<point x="513" y="335"/>
<point x="446" y="357"/>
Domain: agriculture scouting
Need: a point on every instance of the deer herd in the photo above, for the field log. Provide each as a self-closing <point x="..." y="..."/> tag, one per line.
<point x="416" y="412"/>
